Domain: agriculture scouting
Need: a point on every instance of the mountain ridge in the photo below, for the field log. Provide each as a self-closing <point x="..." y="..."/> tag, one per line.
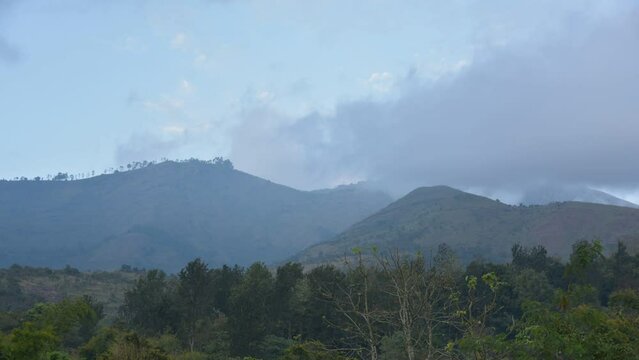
<point x="546" y="194"/>
<point x="477" y="226"/>
<point x="168" y="213"/>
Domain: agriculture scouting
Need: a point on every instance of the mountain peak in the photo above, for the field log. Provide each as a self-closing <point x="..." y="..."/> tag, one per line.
<point x="441" y="197"/>
<point x="475" y="226"/>
<point x="436" y="192"/>
<point x="163" y="214"/>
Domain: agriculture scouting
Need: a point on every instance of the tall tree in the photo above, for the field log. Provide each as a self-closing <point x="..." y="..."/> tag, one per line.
<point x="358" y="303"/>
<point x="287" y="278"/>
<point x="250" y="307"/>
<point x="422" y="296"/>
<point x="195" y="298"/>
<point x="323" y="282"/>
<point x="224" y="279"/>
<point x="149" y="306"/>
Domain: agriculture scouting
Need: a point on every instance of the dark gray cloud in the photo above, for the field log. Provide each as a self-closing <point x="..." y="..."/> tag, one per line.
<point x="562" y="111"/>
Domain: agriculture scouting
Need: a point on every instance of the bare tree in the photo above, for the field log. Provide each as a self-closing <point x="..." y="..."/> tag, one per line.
<point x="422" y="299"/>
<point x="354" y="300"/>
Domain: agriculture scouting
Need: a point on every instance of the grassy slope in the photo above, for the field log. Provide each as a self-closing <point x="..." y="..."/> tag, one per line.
<point x="478" y="227"/>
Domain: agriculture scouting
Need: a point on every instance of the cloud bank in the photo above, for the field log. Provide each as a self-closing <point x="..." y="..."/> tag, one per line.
<point x="564" y="111"/>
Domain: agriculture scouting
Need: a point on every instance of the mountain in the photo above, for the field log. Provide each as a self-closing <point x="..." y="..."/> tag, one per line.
<point x="476" y="226"/>
<point x="165" y="214"/>
<point x="548" y="194"/>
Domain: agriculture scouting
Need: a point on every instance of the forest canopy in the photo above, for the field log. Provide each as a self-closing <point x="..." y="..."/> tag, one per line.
<point x="395" y="306"/>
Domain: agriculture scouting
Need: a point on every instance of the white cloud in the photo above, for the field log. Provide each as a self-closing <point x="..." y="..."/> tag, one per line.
<point x="200" y="58"/>
<point x="435" y="70"/>
<point x="381" y="82"/>
<point x="561" y="111"/>
<point x="174" y="130"/>
<point x="265" y="96"/>
<point x="130" y="44"/>
<point x="172" y="104"/>
<point x="186" y="86"/>
<point x="166" y="104"/>
<point x="179" y="41"/>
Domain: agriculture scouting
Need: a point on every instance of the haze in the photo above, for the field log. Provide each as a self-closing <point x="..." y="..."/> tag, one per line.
<point x="488" y="98"/>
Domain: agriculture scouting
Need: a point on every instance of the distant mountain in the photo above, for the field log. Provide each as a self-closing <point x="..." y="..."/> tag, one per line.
<point x="548" y="194"/>
<point x="476" y="226"/>
<point x="165" y="214"/>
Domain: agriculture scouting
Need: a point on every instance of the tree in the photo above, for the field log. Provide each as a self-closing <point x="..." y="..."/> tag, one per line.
<point x="224" y="279"/>
<point x="584" y="260"/>
<point x="474" y="314"/>
<point x="195" y="298"/>
<point x="408" y="285"/>
<point x="532" y="258"/>
<point x="131" y="346"/>
<point x="99" y="344"/>
<point x="531" y="285"/>
<point x="312" y="350"/>
<point x="624" y="269"/>
<point x="362" y="316"/>
<point x="250" y="306"/>
<point x="583" y="332"/>
<point x="149" y="307"/>
<point x="625" y="301"/>
<point x="61" y="177"/>
<point x="537" y="259"/>
<point x="321" y="317"/>
<point x="31" y="342"/>
<point x="585" y="274"/>
<point x="73" y="320"/>
<point x="286" y="279"/>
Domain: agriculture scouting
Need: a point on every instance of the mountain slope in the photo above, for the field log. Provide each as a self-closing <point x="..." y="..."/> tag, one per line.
<point x="166" y="214"/>
<point x="547" y="194"/>
<point x="476" y="226"/>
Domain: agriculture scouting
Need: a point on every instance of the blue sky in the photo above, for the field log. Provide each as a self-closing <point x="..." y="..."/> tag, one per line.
<point x="90" y="77"/>
<point x="90" y="85"/>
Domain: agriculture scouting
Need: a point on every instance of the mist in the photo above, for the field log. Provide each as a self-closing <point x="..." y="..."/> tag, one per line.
<point x="558" y="110"/>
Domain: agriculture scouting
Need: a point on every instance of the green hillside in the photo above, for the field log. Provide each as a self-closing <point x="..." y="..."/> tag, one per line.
<point x="22" y="287"/>
<point x="478" y="227"/>
<point x="165" y="214"/>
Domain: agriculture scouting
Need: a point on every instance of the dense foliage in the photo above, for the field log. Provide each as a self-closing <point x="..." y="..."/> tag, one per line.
<point x="394" y="306"/>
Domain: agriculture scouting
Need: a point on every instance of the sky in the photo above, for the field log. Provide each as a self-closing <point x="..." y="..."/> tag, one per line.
<point x="487" y="95"/>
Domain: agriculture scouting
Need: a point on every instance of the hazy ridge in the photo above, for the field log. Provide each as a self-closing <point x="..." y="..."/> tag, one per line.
<point x="478" y="227"/>
<point x="168" y="213"/>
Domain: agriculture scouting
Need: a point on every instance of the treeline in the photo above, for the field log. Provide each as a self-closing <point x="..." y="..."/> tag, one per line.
<point x="135" y="165"/>
<point x="379" y="305"/>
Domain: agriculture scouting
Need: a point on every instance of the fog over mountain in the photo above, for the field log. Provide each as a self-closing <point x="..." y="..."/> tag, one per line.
<point x="549" y="194"/>
<point x="325" y="180"/>
<point x="560" y="109"/>
<point x="531" y="102"/>
<point x="501" y="98"/>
